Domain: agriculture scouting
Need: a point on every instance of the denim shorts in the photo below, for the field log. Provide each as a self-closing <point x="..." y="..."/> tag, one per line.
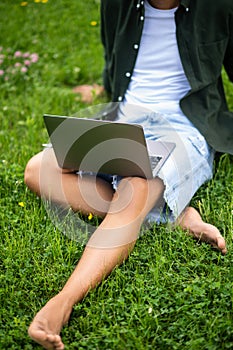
<point x="113" y="180"/>
<point x="187" y="168"/>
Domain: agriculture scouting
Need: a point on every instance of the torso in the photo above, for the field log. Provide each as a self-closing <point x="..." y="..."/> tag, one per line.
<point x="158" y="81"/>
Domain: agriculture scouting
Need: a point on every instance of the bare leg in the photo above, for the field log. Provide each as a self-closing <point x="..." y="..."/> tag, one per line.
<point x="46" y="179"/>
<point x="110" y="244"/>
<point x="125" y="216"/>
<point x="191" y="221"/>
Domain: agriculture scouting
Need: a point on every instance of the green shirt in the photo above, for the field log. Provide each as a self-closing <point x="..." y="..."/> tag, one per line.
<point x="204" y="30"/>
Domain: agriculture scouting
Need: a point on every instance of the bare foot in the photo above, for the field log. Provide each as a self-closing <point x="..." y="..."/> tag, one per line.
<point x="48" y="322"/>
<point x="191" y="221"/>
<point x="88" y="92"/>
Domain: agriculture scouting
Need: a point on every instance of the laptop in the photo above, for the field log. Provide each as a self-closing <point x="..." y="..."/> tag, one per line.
<point x="107" y="147"/>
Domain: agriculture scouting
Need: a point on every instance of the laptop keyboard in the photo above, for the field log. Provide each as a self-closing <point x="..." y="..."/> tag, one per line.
<point x="154" y="160"/>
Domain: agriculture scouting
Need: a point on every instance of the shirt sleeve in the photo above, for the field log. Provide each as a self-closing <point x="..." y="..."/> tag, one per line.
<point x="104" y="39"/>
<point x="228" y="59"/>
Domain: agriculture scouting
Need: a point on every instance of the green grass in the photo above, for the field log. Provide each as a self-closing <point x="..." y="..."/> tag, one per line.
<point x="172" y="293"/>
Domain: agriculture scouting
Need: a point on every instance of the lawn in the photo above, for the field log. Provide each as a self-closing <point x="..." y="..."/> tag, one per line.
<point x="172" y="293"/>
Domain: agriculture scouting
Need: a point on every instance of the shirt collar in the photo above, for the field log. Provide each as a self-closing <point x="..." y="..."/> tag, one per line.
<point x="184" y="3"/>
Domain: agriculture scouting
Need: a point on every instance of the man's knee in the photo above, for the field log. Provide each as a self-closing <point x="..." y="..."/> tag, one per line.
<point x="129" y="194"/>
<point x="140" y="185"/>
<point x="133" y="183"/>
<point x="137" y="194"/>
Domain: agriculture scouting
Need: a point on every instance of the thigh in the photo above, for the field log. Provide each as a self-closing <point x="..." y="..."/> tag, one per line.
<point x="85" y="194"/>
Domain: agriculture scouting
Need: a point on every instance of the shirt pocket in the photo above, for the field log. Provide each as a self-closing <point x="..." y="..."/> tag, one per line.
<point x="211" y="57"/>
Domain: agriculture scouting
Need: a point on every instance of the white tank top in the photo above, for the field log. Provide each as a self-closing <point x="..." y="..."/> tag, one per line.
<point x="158" y="81"/>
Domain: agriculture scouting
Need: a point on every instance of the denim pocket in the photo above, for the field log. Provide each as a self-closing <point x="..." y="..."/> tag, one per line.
<point x="200" y="144"/>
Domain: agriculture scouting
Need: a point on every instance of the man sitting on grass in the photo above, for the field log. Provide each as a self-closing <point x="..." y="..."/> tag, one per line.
<point x="164" y="57"/>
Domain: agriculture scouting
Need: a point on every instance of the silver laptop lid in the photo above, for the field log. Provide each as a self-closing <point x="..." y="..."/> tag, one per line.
<point x="99" y="146"/>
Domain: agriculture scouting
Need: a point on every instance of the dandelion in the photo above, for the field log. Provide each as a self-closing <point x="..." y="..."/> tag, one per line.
<point x="90" y="216"/>
<point x="44" y="1"/>
<point x="21" y="204"/>
<point x="24" y="3"/>
<point x="36" y="1"/>
<point x="93" y="23"/>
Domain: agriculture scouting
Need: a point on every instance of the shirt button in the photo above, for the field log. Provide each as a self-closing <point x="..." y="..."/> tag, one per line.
<point x="136" y="46"/>
<point x="142" y="18"/>
<point x="142" y="2"/>
<point x="127" y="74"/>
<point x="119" y="98"/>
<point x="187" y="9"/>
<point x="138" y="5"/>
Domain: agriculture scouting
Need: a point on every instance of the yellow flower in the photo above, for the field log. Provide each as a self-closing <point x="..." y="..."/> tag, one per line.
<point x="24" y="3"/>
<point x="21" y="204"/>
<point x="44" y="1"/>
<point x="90" y="216"/>
<point x="93" y="23"/>
<point x="36" y="0"/>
